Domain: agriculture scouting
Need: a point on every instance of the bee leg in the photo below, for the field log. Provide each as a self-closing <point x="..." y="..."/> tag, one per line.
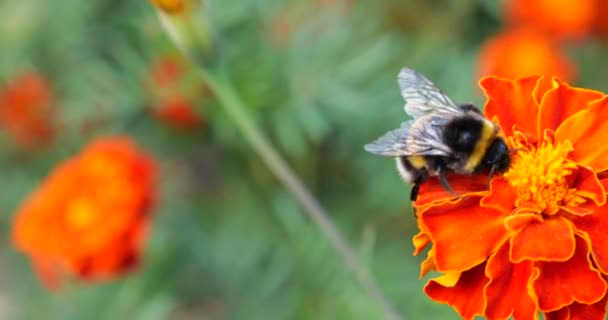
<point x="414" y="192"/>
<point x="414" y="196"/>
<point x="420" y="178"/>
<point x="444" y="182"/>
<point x="492" y="170"/>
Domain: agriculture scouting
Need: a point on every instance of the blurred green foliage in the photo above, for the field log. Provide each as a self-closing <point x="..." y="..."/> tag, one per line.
<point x="228" y="241"/>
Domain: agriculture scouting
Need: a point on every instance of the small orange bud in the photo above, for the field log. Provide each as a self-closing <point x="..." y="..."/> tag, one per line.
<point x="26" y="109"/>
<point x="178" y="113"/>
<point x="170" y="6"/>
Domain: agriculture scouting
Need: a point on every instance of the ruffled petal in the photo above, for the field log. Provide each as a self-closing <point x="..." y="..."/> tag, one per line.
<point x="465" y="295"/>
<point x="595" y="230"/>
<point x="432" y="193"/>
<point x="463" y="234"/>
<point x="549" y="240"/>
<point x="501" y="197"/>
<point x="517" y="222"/>
<point x="587" y="130"/>
<point x="507" y="292"/>
<point x="421" y="241"/>
<point x="562" y="102"/>
<point x="603" y="177"/>
<point x="596" y="311"/>
<point x="579" y="311"/>
<point x="561" y="314"/>
<point x="512" y="102"/>
<point x="428" y="264"/>
<point x="561" y="283"/>
<point x="587" y="185"/>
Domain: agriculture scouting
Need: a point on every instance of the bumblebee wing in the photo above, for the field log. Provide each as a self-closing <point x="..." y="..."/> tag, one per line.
<point x="425" y="137"/>
<point x="393" y="143"/>
<point x="422" y="97"/>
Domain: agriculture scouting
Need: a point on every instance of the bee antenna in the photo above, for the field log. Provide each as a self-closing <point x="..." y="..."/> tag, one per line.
<point x="515" y="150"/>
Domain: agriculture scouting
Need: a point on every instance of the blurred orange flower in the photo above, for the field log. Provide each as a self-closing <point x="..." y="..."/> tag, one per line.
<point x="516" y="53"/>
<point x="25" y="109"/>
<point x="178" y="113"/>
<point x="559" y="18"/>
<point x="171" y="6"/>
<point x="537" y="241"/>
<point x="174" y="92"/>
<point x="90" y="216"/>
<point x="600" y="21"/>
<point x="167" y="71"/>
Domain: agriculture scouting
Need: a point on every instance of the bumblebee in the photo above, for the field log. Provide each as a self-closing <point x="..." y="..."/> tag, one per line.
<point x="442" y="137"/>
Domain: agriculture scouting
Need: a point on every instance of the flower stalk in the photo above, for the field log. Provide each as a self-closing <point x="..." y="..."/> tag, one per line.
<point x="184" y="34"/>
<point x="189" y="27"/>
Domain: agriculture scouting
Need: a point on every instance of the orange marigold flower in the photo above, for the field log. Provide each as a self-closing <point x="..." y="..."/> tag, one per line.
<point x="25" y="109"/>
<point x="521" y="52"/>
<point x="537" y="241"/>
<point x="559" y="18"/>
<point x="90" y="216"/>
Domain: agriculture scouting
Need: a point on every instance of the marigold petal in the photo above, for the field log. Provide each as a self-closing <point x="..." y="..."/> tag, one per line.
<point x="562" y="102"/>
<point x="507" y="292"/>
<point x="421" y="241"/>
<point x="595" y="311"/>
<point x="561" y="314"/>
<point x="428" y="264"/>
<point x="501" y="197"/>
<point x="594" y="228"/>
<point x="117" y="256"/>
<point x="449" y="279"/>
<point x="561" y="283"/>
<point x="549" y="240"/>
<point x="463" y="233"/>
<point x="587" y="185"/>
<point x="585" y="130"/>
<point x="512" y="102"/>
<point x="432" y="193"/>
<point x="603" y="180"/>
<point x="519" y="221"/>
<point x="578" y="211"/>
<point x="466" y="295"/>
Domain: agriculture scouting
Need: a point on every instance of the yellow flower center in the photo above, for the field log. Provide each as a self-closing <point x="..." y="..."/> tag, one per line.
<point x="539" y="177"/>
<point x="81" y="214"/>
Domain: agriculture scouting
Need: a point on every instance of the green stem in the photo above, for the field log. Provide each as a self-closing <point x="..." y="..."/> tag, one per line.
<point x="233" y="105"/>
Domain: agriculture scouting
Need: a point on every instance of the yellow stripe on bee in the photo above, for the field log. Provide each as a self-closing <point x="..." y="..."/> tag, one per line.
<point x="488" y="132"/>
<point x="417" y="162"/>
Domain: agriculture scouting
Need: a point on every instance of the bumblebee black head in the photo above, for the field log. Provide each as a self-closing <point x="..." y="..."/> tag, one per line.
<point x="497" y="157"/>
